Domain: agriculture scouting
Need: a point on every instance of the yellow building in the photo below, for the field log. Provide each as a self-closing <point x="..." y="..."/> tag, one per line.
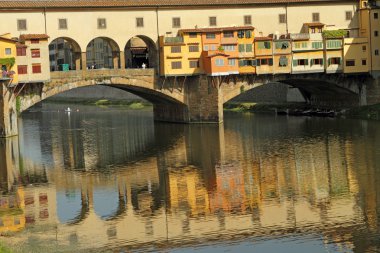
<point x="333" y="54"/>
<point x="308" y="56"/>
<point x="356" y="55"/>
<point x="245" y="43"/>
<point x="181" y="55"/>
<point x="370" y="29"/>
<point x="8" y="58"/>
<point x="264" y="55"/>
<point x="12" y="212"/>
<point x="282" y="51"/>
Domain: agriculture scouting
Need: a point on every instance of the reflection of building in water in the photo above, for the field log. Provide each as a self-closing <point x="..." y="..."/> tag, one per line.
<point x="12" y="216"/>
<point x="307" y="187"/>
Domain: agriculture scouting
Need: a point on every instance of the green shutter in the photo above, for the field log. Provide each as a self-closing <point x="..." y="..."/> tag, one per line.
<point x="270" y="62"/>
<point x="248" y="47"/>
<point x="329" y="62"/>
<point x="241" y="48"/>
<point x="307" y="62"/>
<point x="295" y="63"/>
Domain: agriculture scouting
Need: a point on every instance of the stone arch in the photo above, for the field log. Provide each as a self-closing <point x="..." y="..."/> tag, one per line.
<point x="64" y="50"/>
<point x="102" y="52"/>
<point x="139" y="50"/>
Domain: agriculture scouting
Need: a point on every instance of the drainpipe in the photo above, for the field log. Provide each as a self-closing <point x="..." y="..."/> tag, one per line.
<point x="370" y="39"/>
<point x="158" y="41"/>
<point x="286" y="16"/>
<point x="45" y="19"/>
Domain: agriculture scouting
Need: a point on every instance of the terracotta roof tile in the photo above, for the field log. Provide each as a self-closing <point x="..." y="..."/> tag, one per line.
<point x="141" y="3"/>
<point x="314" y="24"/>
<point x="33" y="36"/>
<point x="217" y="29"/>
<point x="263" y="38"/>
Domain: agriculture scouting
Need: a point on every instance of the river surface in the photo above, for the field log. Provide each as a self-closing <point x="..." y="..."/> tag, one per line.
<point x="113" y="180"/>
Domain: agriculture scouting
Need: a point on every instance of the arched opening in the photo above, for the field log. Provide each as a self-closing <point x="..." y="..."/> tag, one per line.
<point x="64" y="54"/>
<point x="141" y="51"/>
<point x="101" y="53"/>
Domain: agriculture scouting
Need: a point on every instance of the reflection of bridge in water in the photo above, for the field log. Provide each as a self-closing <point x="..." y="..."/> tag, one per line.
<point x="275" y="187"/>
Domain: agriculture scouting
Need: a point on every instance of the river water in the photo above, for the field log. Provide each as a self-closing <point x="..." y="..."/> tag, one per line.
<point x="113" y="180"/>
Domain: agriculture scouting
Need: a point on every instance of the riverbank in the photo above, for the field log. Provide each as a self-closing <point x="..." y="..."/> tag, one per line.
<point x="130" y="104"/>
<point x="371" y="112"/>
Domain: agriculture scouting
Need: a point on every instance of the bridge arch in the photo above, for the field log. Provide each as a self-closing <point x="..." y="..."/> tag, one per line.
<point x="64" y="50"/>
<point x="140" y="50"/>
<point x="102" y="52"/>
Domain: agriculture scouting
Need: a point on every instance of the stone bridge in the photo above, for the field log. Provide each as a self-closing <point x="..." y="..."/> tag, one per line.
<point x="191" y="99"/>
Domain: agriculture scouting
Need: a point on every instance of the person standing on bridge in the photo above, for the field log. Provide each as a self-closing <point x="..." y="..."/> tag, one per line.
<point x="143" y="65"/>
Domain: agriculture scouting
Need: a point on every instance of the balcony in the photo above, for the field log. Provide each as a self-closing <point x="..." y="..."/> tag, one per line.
<point x="300" y="36"/>
<point x="173" y="40"/>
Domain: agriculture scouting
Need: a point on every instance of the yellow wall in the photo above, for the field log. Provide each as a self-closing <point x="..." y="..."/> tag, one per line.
<point x="6" y="43"/>
<point x="353" y="50"/>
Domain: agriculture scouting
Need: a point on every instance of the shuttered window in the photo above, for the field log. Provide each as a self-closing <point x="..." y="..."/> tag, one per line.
<point x="176" y="65"/>
<point x="22" y="69"/>
<point x="35" y="53"/>
<point x="36" y="68"/>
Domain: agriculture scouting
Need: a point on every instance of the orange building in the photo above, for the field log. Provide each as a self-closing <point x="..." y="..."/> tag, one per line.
<point x="264" y="55"/>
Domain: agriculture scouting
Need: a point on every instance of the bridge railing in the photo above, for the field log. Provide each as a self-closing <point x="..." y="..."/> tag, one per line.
<point x="99" y="73"/>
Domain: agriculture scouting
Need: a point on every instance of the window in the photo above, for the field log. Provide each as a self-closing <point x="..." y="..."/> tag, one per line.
<point x="364" y="48"/>
<point x="35" y="41"/>
<point x="334" y="61"/>
<point x="375" y="15"/>
<point x="364" y="62"/>
<point x="300" y="62"/>
<point x="62" y="23"/>
<point x="248" y="47"/>
<point x="176" y="49"/>
<point x="210" y="35"/>
<point x="219" y="62"/>
<point x="283" y="61"/>
<point x="205" y="48"/>
<point x="176" y="65"/>
<point x="348" y="15"/>
<point x="248" y="20"/>
<point x="334" y="43"/>
<point x="194" y="64"/>
<point x="8" y="51"/>
<point x="36" y="68"/>
<point x="35" y="53"/>
<point x="193" y="35"/>
<point x="228" y="34"/>
<point x="282" y="18"/>
<point x="102" y="23"/>
<point x="315" y="17"/>
<point x="241" y="48"/>
<point x="376" y="33"/>
<point x="229" y="48"/>
<point x="350" y="63"/>
<point x="264" y="45"/>
<point x="176" y="22"/>
<point x="212" y="21"/>
<point x="376" y="51"/>
<point x="248" y="34"/>
<point x="213" y="47"/>
<point x="282" y="45"/>
<point x="231" y="62"/>
<point x="266" y="61"/>
<point x="21" y="25"/>
<point x="22" y="69"/>
<point x="316" y="62"/>
<point x="21" y="51"/>
<point x="193" y="48"/>
<point x="317" y="45"/>
<point x="139" y="22"/>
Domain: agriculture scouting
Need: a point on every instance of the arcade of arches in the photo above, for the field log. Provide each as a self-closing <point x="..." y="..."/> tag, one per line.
<point x="102" y="52"/>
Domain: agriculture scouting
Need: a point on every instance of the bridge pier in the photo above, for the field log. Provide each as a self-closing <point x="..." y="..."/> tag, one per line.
<point x="8" y="112"/>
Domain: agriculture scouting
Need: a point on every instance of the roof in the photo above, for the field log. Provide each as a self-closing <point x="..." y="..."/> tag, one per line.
<point x="318" y="24"/>
<point x="263" y="38"/>
<point x="7" y="39"/>
<point x="217" y="54"/>
<point x="216" y="29"/>
<point x="144" y="3"/>
<point x="33" y="36"/>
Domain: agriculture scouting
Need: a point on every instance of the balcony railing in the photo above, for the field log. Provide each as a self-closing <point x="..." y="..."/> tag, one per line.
<point x="174" y="39"/>
<point x="300" y="36"/>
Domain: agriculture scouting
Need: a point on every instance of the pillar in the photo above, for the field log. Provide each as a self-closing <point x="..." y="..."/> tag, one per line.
<point x="203" y="101"/>
<point x="84" y="61"/>
<point x="78" y="61"/>
<point x="122" y="60"/>
<point x="8" y="111"/>
<point x="9" y="162"/>
<point x="115" y="56"/>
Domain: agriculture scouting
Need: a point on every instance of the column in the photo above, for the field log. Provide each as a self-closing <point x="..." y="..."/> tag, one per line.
<point x="78" y="61"/>
<point x="84" y="61"/>
<point x="115" y="56"/>
<point x="122" y="60"/>
<point x="8" y="111"/>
